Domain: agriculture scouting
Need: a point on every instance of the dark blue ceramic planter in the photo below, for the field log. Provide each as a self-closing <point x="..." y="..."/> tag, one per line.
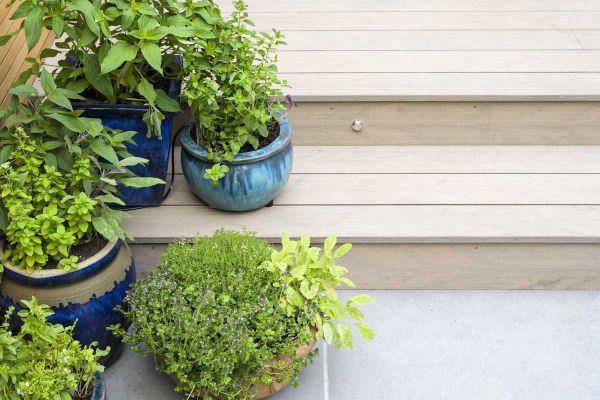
<point x="127" y="117"/>
<point x="87" y="295"/>
<point x="254" y="178"/>
<point x="99" y="392"/>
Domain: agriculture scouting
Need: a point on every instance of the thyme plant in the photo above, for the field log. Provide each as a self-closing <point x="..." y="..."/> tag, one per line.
<point x="211" y="317"/>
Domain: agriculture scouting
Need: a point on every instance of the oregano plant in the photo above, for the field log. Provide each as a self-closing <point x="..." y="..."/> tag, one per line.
<point x="59" y="177"/>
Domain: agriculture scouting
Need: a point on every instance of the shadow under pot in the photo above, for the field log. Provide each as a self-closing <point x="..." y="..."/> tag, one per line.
<point x="87" y="295"/>
<point x="254" y="179"/>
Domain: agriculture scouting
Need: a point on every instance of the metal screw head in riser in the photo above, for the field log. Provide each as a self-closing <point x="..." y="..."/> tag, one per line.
<point x="357" y="126"/>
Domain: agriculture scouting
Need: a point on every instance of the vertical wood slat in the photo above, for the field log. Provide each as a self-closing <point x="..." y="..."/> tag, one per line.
<point x="14" y="53"/>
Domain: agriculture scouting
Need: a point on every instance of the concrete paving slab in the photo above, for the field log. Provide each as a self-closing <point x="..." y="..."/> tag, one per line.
<point x="462" y="345"/>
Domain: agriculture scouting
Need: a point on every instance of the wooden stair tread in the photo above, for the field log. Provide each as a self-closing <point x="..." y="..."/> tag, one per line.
<point x="380" y="224"/>
<point x="425" y="189"/>
<point x="442" y="159"/>
<point x="368" y="86"/>
<point x="420" y="194"/>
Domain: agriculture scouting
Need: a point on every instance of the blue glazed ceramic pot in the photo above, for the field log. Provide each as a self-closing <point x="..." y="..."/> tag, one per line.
<point x="254" y="178"/>
<point x="128" y="117"/>
<point x="87" y="295"/>
<point x="99" y="392"/>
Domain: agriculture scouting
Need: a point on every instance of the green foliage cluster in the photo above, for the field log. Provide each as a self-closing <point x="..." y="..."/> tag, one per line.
<point x="220" y="314"/>
<point x="120" y="51"/>
<point x="309" y="279"/>
<point x="210" y="315"/>
<point x="43" y="361"/>
<point x="59" y="175"/>
<point x="232" y="87"/>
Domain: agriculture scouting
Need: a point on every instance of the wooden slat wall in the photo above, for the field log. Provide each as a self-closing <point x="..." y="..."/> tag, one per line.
<point x="13" y="54"/>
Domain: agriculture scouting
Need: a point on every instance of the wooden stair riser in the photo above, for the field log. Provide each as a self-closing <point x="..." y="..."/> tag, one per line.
<point x="443" y="123"/>
<point x="456" y="266"/>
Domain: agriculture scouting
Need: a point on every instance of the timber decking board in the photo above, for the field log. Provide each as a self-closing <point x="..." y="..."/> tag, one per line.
<point x="444" y="86"/>
<point x="379" y="224"/>
<point x="475" y="20"/>
<point x="532" y="61"/>
<point x="301" y="6"/>
<point x="442" y="160"/>
<point x="425" y="189"/>
<point x="320" y="40"/>
<point x="589" y="39"/>
<point x="13" y="54"/>
<point x="436" y="50"/>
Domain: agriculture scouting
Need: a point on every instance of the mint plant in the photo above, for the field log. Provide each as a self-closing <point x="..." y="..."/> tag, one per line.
<point x="119" y="51"/>
<point x="308" y="281"/>
<point x="232" y="87"/>
<point x="43" y="361"/>
<point x="59" y="176"/>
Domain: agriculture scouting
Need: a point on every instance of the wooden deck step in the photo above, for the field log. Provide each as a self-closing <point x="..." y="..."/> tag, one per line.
<point x="423" y="216"/>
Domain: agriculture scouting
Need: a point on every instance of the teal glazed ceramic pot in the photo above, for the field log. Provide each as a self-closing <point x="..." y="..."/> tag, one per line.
<point x="254" y="179"/>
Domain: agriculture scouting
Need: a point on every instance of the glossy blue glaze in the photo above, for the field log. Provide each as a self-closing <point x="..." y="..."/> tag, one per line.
<point x="17" y="275"/>
<point x="99" y="392"/>
<point x="127" y="117"/>
<point x="94" y="316"/>
<point x="254" y="178"/>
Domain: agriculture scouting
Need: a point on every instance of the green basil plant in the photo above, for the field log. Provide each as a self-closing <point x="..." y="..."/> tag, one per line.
<point x="119" y="51"/>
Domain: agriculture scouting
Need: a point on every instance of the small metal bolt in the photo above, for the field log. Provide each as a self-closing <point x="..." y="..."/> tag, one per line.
<point x="357" y="126"/>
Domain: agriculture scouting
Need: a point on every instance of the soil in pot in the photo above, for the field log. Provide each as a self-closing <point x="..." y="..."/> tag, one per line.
<point x="83" y="251"/>
<point x="273" y="129"/>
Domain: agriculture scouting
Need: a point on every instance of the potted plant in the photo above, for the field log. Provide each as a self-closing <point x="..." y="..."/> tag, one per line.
<point x="44" y="362"/>
<point x="123" y="60"/>
<point x="238" y="157"/>
<point x="229" y="317"/>
<point x="63" y="242"/>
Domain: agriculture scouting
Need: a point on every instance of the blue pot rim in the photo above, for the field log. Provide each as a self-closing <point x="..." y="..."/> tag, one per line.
<point x="280" y="143"/>
<point x="173" y="92"/>
<point x="99" y="392"/>
<point x="56" y="276"/>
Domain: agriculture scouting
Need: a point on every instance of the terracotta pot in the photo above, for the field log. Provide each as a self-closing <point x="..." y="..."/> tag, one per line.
<point x="264" y="391"/>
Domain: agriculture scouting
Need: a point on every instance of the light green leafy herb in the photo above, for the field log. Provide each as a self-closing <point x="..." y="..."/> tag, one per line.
<point x="309" y="279"/>
<point x="43" y="361"/>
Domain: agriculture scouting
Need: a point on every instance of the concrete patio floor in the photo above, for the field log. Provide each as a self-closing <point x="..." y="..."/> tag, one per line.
<point x="451" y="345"/>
